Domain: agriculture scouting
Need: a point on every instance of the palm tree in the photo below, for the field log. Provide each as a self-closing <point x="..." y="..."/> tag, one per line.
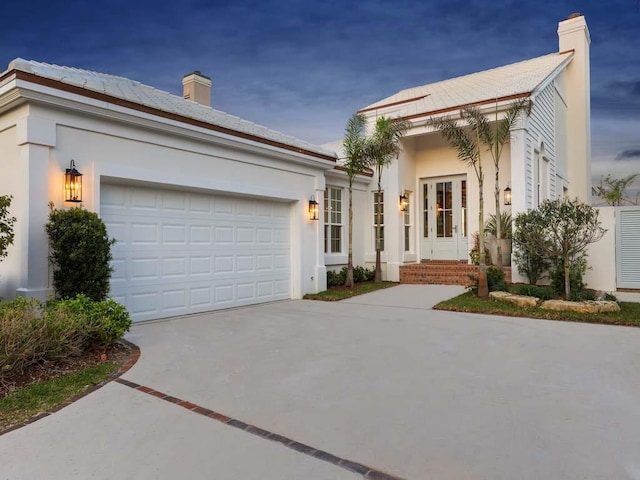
<point x="354" y="144"/>
<point x="466" y="139"/>
<point x="494" y="138"/>
<point x="384" y="146"/>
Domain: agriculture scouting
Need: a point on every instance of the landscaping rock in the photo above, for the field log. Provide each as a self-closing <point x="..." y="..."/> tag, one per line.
<point x="599" y="306"/>
<point x="520" y="300"/>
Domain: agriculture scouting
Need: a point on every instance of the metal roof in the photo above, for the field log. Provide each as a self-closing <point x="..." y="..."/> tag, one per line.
<point x="141" y="94"/>
<point x="497" y="83"/>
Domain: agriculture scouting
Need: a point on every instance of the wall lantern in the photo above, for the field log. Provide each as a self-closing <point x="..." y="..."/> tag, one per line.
<point x="313" y="209"/>
<point x="507" y="196"/>
<point x="72" y="184"/>
<point x="404" y="202"/>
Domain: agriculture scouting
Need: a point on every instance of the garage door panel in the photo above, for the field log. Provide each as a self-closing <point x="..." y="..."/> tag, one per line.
<point x="183" y="252"/>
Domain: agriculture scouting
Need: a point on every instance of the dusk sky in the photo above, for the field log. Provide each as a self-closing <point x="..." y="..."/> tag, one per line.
<point x="303" y="67"/>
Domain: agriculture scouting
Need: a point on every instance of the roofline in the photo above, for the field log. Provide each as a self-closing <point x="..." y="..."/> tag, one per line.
<point x="47" y="82"/>
<point x="367" y="109"/>
<point x="466" y="105"/>
<point x="367" y="172"/>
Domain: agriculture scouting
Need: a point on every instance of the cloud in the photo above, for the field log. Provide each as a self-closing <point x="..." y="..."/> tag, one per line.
<point x="632" y="154"/>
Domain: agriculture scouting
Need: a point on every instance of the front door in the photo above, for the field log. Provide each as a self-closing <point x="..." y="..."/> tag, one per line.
<point x="444" y="218"/>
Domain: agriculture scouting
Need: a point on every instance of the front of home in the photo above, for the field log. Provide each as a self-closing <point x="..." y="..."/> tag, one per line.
<point x="547" y="155"/>
<point x="210" y="211"/>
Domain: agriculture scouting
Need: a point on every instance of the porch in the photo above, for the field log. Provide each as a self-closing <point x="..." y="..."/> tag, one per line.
<point x="442" y="272"/>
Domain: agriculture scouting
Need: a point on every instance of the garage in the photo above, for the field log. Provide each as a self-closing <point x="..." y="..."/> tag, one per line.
<point x="179" y="252"/>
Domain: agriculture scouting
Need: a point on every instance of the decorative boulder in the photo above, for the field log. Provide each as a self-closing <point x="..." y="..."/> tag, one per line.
<point x="599" y="306"/>
<point x="520" y="300"/>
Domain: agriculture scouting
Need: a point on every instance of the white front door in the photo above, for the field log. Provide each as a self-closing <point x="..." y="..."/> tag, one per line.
<point x="444" y="218"/>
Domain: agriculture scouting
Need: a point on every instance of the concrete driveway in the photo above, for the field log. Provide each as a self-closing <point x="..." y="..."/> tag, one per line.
<point x="380" y="381"/>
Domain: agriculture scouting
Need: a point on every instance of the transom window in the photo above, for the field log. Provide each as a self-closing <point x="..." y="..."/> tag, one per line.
<point x="333" y="220"/>
<point x="378" y="219"/>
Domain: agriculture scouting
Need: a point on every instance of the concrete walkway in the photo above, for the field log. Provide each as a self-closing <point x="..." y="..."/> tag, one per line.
<point x="380" y="379"/>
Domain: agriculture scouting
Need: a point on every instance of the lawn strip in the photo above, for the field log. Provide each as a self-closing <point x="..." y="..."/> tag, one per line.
<point x="41" y="397"/>
<point x="333" y="294"/>
<point x="629" y="314"/>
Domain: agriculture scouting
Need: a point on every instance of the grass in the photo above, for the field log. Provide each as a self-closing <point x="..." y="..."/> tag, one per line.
<point x="628" y="315"/>
<point x="41" y="397"/>
<point x="333" y="294"/>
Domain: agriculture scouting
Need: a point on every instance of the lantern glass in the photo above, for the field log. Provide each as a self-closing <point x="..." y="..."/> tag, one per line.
<point x="404" y="202"/>
<point x="507" y="196"/>
<point x="72" y="184"/>
<point x="313" y="209"/>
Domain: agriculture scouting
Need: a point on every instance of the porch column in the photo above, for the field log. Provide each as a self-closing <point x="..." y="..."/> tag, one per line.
<point x="520" y="194"/>
<point x="320" y="277"/>
<point x="35" y="136"/>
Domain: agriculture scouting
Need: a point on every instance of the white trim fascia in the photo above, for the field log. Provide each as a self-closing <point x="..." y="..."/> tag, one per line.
<point x="550" y="78"/>
<point x="71" y="101"/>
<point x="340" y="175"/>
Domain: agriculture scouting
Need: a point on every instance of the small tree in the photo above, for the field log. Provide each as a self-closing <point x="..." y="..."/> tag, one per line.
<point x="614" y="191"/>
<point x="6" y="225"/>
<point x="466" y="139"/>
<point x="526" y="238"/>
<point x="567" y="227"/>
<point x="355" y="145"/>
<point x="382" y="147"/>
<point x="80" y="253"/>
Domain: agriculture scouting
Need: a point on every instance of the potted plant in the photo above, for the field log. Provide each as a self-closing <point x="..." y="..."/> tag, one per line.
<point x="505" y="242"/>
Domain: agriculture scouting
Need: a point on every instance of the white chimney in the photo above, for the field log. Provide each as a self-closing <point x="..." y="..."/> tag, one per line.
<point x="573" y="34"/>
<point x="197" y="87"/>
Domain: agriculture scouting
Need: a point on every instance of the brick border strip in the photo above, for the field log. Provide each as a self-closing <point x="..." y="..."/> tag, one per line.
<point x="134" y="355"/>
<point x="355" y="467"/>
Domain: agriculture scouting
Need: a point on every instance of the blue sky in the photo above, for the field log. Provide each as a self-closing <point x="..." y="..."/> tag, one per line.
<point x="302" y="67"/>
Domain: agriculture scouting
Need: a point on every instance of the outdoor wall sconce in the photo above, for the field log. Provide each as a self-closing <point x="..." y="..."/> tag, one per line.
<point x="313" y="209"/>
<point x="507" y="196"/>
<point x="404" y="202"/>
<point x="72" y="184"/>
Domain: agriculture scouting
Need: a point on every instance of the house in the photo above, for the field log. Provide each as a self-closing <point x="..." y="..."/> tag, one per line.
<point x="547" y="156"/>
<point x="208" y="210"/>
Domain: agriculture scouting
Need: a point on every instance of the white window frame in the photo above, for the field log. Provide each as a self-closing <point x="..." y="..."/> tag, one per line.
<point x="333" y="205"/>
<point x="375" y="203"/>
<point x="407" y="241"/>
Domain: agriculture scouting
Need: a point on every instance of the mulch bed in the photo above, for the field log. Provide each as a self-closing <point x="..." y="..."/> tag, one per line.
<point x="119" y="353"/>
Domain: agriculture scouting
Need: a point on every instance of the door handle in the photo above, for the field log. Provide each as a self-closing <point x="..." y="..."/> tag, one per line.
<point x="455" y="229"/>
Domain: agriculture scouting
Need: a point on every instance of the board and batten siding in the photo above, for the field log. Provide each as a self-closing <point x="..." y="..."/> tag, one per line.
<point x="541" y="131"/>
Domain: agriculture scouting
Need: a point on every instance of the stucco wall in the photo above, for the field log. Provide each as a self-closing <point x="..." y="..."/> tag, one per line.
<point x="602" y="254"/>
<point x="106" y="150"/>
<point x="10" y="184"/>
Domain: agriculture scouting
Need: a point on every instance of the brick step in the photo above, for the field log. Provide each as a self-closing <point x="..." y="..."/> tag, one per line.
<point x="441" y="273"/>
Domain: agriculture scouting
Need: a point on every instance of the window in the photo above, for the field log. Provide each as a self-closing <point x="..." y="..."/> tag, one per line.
<point x="425" y="210"/>
<point x="333" y="220"/>
<point x="444" y="209"/>
<point x="463" y="212"/>
<point x="407" y="224"/>
<point x="378" y="219"/>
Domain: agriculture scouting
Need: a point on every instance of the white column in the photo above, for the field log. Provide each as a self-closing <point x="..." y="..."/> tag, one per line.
<point x="34" y="272"/>
<point x="520" y="199"/>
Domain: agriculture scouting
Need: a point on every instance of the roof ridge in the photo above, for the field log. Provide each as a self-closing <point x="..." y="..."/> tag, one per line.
<point x="381" y="102"/>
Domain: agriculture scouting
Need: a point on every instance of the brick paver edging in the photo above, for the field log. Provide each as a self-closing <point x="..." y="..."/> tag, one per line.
<point x="134" y="355"/>
<point x="365" y="471"/>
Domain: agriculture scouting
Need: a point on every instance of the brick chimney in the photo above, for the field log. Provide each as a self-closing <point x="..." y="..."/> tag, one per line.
<point x="573" y="34"/>
<point x="197" y="87"/>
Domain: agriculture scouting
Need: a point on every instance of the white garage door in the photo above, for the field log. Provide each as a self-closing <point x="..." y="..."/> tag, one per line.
<point x="182" y="252"/>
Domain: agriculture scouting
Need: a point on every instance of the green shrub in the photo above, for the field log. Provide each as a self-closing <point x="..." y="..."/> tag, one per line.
<point x="360" y="274"/>
<point x="541" y="292"/>
<point x="577" y="269"/>
<point x="506" y="225"/>
<point x="105" y="322"/>
<point x="29" y="335"/>
<point x="495" y="279"/>
<point x="32" y="332"/>
<point x="80" y="253"/>
<point x="526" y="240"/>
<point x="6" y="225"/>
<point x="335" y="279"/>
